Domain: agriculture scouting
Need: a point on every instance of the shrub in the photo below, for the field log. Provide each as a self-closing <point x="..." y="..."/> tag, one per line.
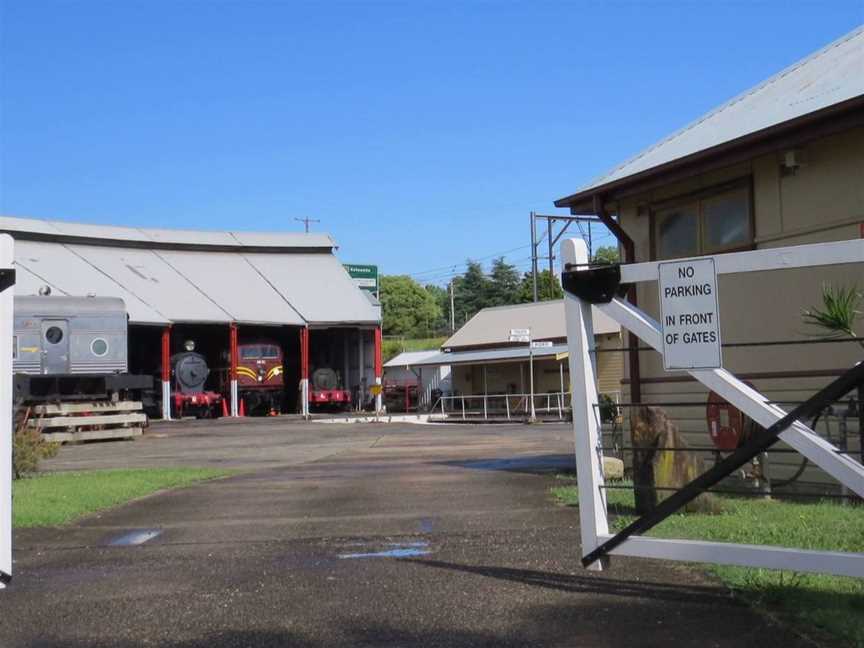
<point x="28" y="446"/>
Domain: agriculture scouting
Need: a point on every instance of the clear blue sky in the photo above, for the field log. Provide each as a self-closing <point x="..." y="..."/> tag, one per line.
<point x="418" y="133"/>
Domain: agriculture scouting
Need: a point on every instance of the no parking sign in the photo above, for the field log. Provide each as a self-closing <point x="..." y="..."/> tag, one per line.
<point x="690" y="315"/>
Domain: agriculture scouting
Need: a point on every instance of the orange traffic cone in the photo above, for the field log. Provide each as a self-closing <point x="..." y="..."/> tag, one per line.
<point x="224" y="407"/>
<point x="242" y="407"/>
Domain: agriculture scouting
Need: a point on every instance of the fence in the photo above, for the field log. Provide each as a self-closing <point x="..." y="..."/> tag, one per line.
<point x="586" y="286"/>
<point x="501" y="406"/>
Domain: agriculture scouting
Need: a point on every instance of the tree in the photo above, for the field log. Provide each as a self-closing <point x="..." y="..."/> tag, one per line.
<point x="548" y="287"/>
<point x="472" y="291"/>
<point x="442" y="298"/>
<point x="606" y="254"/>
<point x="503" y="283"/>
<point x="406" y="307"/>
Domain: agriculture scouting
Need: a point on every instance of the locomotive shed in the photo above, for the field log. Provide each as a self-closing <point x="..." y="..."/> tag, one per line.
<point x="222" y="290"/>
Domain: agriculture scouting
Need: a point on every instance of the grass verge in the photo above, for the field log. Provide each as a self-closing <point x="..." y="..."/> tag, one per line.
<point x="833" y="604"/>
<point x="393" y="347"/>
<point x="57" y="498"/>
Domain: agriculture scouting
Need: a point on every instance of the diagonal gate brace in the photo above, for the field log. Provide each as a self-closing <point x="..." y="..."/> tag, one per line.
<point x="758" y="443"/>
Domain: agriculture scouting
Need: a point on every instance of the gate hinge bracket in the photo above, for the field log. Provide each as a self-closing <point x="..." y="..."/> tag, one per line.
<point x="597" y="284"/>
<point x="7" y="278"/>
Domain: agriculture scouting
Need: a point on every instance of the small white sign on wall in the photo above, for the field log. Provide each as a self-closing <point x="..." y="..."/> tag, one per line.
<point x="690" y="315"/>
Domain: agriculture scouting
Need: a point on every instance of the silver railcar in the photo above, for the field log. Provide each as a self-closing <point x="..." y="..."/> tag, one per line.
<point x="69" y="335"/>
<point x="71" y="347"/>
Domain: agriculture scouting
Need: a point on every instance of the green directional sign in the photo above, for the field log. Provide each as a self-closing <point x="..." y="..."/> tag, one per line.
<point x="364" y="276"/>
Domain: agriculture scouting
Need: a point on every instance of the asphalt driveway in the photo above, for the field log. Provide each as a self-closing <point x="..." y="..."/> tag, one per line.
<point x="351" y="535"/>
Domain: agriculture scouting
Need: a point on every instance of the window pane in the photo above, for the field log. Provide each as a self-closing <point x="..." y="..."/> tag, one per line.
<point x="250" y="352"/>
<point x="677" y="232"/>
<point x="726" y="221"/>
<point x="269" y="351"/>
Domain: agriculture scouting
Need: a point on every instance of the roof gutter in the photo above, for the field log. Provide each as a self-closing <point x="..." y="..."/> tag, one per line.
<point x="73" y="239"/>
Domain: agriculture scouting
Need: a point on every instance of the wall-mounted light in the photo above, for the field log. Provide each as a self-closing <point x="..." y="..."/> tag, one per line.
<point x="792" y="160"/>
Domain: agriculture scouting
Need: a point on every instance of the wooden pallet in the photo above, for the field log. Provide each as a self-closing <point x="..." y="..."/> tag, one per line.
<point x="96" y="421"/>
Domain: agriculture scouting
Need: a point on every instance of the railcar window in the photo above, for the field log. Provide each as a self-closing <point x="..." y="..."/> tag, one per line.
<point x="99" y="347"/>
<point x="54" y="334"/>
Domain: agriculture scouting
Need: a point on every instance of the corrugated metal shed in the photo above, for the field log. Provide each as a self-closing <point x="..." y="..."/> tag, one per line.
<point x="491" y="326"/>
<point x="168" y="276"/>
<point x="487" y="356"/>
<point x="317" y="285"/>
<point x="831" y="76"/>
<point x="206" y="271"/>
<point x="68" y="274"/>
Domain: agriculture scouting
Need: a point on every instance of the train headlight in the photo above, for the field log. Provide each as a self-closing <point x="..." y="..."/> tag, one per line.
<point x="189" y="345"/>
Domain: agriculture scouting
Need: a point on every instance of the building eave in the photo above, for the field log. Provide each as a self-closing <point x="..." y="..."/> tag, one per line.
<point x="828" y="121"/>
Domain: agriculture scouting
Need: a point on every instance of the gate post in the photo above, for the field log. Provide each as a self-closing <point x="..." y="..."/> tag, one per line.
<point x="166" y="373"/>
<point x="7" y="327"/>
<point x="584" y="403"/>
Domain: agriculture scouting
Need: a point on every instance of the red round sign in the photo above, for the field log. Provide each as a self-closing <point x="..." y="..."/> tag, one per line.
<point x="725" y="423"/>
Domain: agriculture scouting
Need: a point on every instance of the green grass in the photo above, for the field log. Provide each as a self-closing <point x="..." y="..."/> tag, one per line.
<point x="57" y="498"/>
<point x="833" y="604"/>
<point x="393" y="347"/>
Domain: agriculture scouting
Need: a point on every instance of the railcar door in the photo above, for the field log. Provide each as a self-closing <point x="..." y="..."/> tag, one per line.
<point x="55" y="346"/>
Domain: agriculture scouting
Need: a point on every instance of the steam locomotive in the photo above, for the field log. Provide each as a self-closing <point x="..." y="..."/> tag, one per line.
<point x="189" y="396"/>
<point x="327" y="390"/>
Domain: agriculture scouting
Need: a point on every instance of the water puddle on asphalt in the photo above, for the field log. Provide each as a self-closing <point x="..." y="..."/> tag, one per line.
<point x="136" y="537"/>
<point x="399" y="550"/>
<point x="427" y="525"/>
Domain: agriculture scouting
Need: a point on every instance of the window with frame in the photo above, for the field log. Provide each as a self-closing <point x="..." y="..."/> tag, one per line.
<point x="705" y="224"/>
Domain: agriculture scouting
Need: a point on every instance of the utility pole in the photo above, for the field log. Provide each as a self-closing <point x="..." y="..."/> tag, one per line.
<point x="306" y="222"/>
<point x="533" y="415"/>
<point x="452" y="309"/>
<point x="534" y="255"/>
<point x="550" y="226"/>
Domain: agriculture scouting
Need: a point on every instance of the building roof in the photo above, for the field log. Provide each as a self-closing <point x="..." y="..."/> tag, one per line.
<point x="53" y="230"/>
<point x="487" y="356"/>
<point x="826" y="79"/>
<point x="491" y="326"/>
<point x="167" y="276"/>
<point x="410" y="358"/>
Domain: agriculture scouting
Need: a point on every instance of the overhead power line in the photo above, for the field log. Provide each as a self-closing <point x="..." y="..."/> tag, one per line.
<point x="465" y="263"/>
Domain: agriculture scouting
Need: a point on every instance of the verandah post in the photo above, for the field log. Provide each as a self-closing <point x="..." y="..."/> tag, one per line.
<point x="166" y="373"/>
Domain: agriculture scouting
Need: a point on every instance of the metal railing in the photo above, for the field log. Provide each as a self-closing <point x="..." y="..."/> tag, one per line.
<point x="501" y="406"/>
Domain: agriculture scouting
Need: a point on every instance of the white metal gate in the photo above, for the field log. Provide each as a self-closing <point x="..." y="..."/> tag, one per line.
<point x="597" y="542"/>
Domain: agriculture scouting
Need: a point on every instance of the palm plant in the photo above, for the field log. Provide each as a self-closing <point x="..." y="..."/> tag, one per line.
<point x="841" y="307"/>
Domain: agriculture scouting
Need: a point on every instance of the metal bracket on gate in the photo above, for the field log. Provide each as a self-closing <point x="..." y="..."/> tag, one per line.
<point x="757" y="444"/>
<point x="7" y="278"/>
<point x="597" y="284"/>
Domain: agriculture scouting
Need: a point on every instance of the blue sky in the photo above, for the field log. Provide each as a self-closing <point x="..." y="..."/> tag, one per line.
<point x="418" y="133"/>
